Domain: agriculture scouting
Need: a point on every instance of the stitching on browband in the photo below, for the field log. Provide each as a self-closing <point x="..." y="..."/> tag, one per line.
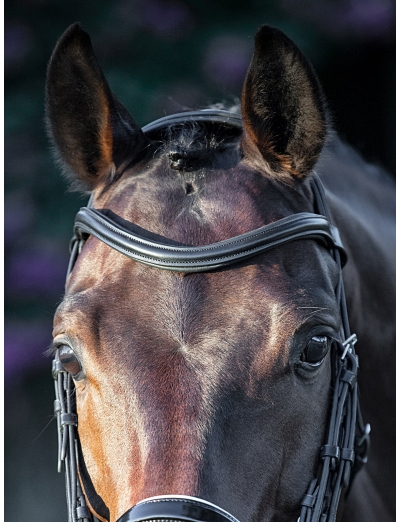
<point x="156" y="261"/>
<point x="272" y="226"/>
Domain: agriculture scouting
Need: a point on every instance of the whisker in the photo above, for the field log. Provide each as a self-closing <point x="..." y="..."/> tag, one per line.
<point x="44" y="429"/>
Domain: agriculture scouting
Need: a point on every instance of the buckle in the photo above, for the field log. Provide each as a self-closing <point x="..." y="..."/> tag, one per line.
<point x="348" y="344"/>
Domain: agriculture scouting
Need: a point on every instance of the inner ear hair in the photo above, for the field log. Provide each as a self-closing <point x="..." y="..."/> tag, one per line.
<point x="283" y="106"/>
<point x="94" y="136"/>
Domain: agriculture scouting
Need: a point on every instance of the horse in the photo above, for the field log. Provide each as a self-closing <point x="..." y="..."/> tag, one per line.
<point x="205" y="363"/>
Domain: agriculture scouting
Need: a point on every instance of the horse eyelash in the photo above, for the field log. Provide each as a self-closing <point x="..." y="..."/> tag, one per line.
<point x="51" y="349"/>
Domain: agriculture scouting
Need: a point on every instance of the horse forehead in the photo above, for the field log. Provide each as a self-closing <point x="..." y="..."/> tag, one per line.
<point x="181" y="307"/>
<point x="221" y="202"/>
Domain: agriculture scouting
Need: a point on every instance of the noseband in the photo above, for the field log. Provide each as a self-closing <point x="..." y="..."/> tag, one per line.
<point x="347" y="438"/>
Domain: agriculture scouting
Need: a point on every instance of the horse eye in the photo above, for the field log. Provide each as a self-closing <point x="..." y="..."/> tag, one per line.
<point x="69" y="360"/>
<point x="316" y="349"/>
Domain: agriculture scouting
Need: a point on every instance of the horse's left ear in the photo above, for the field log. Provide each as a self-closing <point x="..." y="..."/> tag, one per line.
<point x="283" y="105"/>
<point x="95" y="136"/>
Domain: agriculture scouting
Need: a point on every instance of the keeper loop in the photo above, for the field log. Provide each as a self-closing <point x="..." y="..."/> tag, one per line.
<point x="308" y="501"/>
<point x="82" y="512"/>
<point x="330" y="451"/>
<point x="56" y="368"/>
<point x="347" y="454"/>
<point x="69" y="419"/>
<point x="349" y="377"/>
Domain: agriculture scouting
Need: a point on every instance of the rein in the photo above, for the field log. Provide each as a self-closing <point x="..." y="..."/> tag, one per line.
<point x="347" y="438"/>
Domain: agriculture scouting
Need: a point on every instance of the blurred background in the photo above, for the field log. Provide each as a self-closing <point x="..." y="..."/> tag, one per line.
<point x="158" y="56"/>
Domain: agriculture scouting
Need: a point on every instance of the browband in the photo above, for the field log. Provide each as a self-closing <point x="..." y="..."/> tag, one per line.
<point x="209" y="257"/>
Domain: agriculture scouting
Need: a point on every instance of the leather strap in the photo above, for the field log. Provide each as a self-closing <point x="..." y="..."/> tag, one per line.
<point x="209" y="257"/>
<point x="205" y="116"/>
<point x="179" y="507"/>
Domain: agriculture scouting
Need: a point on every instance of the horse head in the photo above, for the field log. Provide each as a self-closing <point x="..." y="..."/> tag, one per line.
<point x="213" y="384"/>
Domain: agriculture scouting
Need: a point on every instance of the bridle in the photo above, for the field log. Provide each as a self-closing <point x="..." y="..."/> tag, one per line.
<point x="347" y="439"/>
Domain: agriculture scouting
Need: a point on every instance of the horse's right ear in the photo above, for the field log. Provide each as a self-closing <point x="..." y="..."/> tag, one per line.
<point x="95" y="136"/>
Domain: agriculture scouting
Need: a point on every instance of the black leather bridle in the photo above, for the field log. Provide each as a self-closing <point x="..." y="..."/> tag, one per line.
<point x="347" y="438"/>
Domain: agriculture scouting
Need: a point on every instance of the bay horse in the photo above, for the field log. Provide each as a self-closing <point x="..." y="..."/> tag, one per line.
<point x="203" y="340"/>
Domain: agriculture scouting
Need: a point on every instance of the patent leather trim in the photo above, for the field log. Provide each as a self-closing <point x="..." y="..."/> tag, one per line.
<point x="176" y="507"/>
<point x="209" y="257"/>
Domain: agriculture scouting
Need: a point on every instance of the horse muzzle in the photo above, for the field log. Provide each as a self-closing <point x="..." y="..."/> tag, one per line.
<point x="173" y="508"/>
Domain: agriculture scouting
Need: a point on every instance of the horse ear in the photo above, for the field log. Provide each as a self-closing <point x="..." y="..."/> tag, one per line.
<point x="95" y="136"/>
<point x="283" y="105"/>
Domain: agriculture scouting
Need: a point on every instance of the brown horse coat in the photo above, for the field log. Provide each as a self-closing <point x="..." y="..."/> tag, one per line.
<point x="196" y="384"/>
